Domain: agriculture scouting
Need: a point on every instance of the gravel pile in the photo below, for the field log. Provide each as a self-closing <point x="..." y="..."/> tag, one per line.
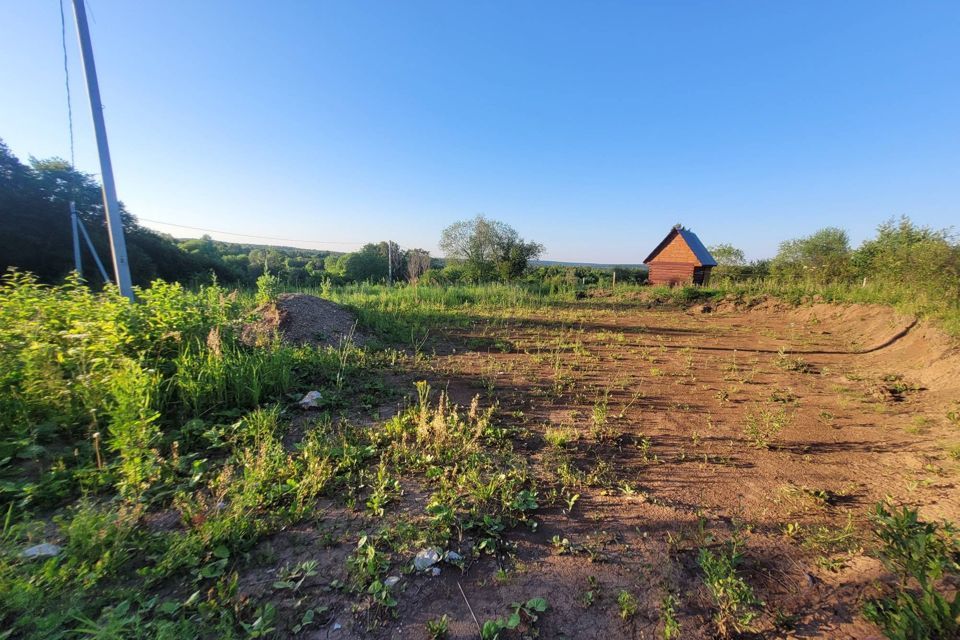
<point x="302" y="319"/>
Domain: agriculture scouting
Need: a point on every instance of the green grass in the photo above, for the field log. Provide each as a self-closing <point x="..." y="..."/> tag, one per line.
<point x="111" y="412"/>
<point x="934" y="304"/>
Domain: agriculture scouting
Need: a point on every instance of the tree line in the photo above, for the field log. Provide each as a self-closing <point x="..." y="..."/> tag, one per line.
<point x="902" y="254"/>
<point x="35" y="236"/>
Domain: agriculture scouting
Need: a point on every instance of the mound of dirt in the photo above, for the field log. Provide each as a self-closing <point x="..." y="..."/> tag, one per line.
<point x="890" y="342"/>
<point x="302" y="319"/>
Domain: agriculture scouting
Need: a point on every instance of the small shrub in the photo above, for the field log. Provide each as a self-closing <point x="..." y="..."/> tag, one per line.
<point x="268" y="287"/>
<point x="920" y="554"/>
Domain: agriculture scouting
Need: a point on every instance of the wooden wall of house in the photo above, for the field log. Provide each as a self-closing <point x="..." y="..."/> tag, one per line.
<point x="670" y="272"/>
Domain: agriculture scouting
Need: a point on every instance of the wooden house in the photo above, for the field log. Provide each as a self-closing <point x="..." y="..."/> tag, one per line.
<point x="680" y="259"/>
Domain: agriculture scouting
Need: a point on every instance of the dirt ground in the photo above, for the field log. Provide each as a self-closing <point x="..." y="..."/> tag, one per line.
<point x="652" y="404"/>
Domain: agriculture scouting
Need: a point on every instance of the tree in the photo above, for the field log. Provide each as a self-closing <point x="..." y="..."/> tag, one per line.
<point x="727" y="255"/>
<point x="418" y="261"/>
<point x="367" y="265"/>
<point x="488" y="248"/>
<point x="823" y="256"/>
<point x="731" y="262"/>
<point x="394" y="256"/>
<point x="921" y="258"/>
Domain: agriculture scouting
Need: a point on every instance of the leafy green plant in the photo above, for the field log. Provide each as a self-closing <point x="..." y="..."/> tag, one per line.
<point x="523" y="613"/>
<point x="627" y="604"/>
<point x="920" y="554"/>
<point x="438" y="628"/>
<point x="668" y="611"/>
<point x="763" y="425"/>
<point x="736" y="605"/>
<point x="268" y="286"/>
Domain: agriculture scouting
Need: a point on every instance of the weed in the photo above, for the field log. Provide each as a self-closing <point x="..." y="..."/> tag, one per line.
<point x="796" y="364"/>
<point x="668" y="612"/>
<point x="368" y="564"/>
<point x="736" y="605"/>
<point x="589" y="597"/>
<point x="383" y="491"/>
<point x="560" y="437"/>
<point x="828" y="539"/>
<point x="600" y="409"/>
<point x="261" y="627"/>
<point x="570" y="501"/>
<point x="627" y="604"/>
<point x="633" y="400"/>
<point x="525" y="613"/>
<point x="294" y="577"/>
<point x="763" y="425"/>
<point x="833" y="565"/>
<point x="792" y="530"/>
<point x="784" y="396"/>
<point x="438" y="628"/>
<point x="953" y="416"/>
<point x="268" y="286"/>
<point x="309" y="617"/>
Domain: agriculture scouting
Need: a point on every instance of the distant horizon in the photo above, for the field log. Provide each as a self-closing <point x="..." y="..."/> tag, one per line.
<point x="591" y="130"/>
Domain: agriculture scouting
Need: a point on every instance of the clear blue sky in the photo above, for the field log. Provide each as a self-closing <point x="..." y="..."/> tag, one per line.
<point x="591" y="127"/>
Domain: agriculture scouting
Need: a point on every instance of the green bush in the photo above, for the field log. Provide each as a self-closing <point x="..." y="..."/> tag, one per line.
<point x="920" y="554"/>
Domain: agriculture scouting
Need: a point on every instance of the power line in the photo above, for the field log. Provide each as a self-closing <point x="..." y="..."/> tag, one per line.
<point x="247" y="235"/>
<point x="66" y="73"/>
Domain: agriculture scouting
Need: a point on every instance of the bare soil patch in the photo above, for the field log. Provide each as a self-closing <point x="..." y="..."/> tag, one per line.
<point x="654" y="417"/>
<point x="672" y="470"/>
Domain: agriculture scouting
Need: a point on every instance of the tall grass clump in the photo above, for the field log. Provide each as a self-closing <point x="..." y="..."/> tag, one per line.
<point x="398" y="312"/>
